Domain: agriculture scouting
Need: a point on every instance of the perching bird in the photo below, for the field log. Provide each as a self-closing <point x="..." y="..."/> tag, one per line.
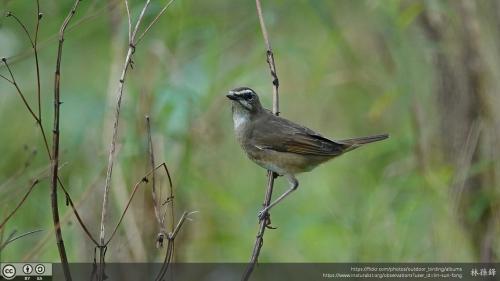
<point x="280" y="145"/>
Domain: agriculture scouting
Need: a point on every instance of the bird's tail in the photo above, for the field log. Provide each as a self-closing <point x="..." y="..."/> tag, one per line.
<point x="350" y="144"/>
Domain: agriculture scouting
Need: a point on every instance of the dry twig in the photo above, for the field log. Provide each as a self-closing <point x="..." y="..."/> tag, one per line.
<point x="170" y="245"/>
<point x="34" y="46"/>
<point x="133" y="41"/>
<point x="157" y="205"/>
<point x="33" y="184"/>
<point x="11" y="238"/>
<point x="161" y="218"/>
<point x="54" y="154"/>
<point x="90" y="14"/>
<point x="154" y="21"/>
<point x="265" y="223"/>
<point x="144" y="179"/>
<point x="55" y="144"/>
<point x="111" y="155"/>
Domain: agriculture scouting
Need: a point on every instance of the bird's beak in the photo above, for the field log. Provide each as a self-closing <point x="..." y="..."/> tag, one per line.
<point x="232" y="96"/>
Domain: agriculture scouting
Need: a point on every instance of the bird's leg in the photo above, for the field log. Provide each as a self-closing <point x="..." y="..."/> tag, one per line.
<point x="294" y="183"/>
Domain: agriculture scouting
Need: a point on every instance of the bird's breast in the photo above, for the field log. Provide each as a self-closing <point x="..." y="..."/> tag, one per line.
<point x="241" y="126"/>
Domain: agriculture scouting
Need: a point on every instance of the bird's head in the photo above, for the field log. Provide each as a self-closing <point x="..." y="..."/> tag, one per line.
<point x="244" y="99"/>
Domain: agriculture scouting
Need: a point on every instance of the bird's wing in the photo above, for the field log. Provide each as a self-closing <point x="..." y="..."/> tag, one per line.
<point x="279" y="134"/>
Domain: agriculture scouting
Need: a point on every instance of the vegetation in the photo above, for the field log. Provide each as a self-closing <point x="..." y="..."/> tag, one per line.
<point x="423" y="71"/>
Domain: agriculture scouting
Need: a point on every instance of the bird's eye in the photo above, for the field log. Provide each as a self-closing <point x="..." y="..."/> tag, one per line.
<point x="248" y="96"/>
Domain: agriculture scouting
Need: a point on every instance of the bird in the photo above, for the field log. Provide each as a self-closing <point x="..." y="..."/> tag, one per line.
<point x="280" y="145"/>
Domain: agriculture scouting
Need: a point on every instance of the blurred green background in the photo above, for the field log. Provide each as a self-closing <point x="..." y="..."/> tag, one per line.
<point x="423" y="71"/>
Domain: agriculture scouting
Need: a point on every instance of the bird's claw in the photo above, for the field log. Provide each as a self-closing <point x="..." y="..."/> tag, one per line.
<point x="263" y="215"/>
<point x="266" y="217"/>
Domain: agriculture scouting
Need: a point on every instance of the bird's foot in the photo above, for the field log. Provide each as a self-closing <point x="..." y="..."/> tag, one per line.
<point x="263" y="214"/>
<point x="266" y="217"/>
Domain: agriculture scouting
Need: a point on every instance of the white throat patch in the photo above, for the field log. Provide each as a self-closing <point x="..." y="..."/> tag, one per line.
<point x="240" y="119"/>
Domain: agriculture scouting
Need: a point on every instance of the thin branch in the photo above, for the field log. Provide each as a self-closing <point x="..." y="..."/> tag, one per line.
<point x="166" y="261"/>
<point x="39" y="16"/>
<point x="170" y="199"/>
<point x="4" y="60"/>
<point x="55" y="145"/>
<point x="154" y="21"/>
<point x="111" y="155"/>
<point x="10" y="240"/>
<point x="170" y="236"/>
<point x="21" y="171"/>
<point x="28" y="107"/>
<point x="270" y="59"/>
<point x="37" y="23"/>
<point x="77" y="215"/>
<point x="160" y="216"/>
<point x="156" y="202"/>
<point x="23" y="26"/>
<point x="265" y="223"/>
<point x="37" y="65"/>
<point x="34" y="252"/>
<point x="41" y="176"/>
<point x="177" y="228"/>
<point x="23" y="54"/>
<point x="6" y="79"/>
<point x="38" y="119"/>
<point x="32" y="186"/>
<point x="33" y="43"/>
<point x="144" y="179"/>
<point x="129" y="22"/>
<point x="44" y="137"/>
<point x="170" y="246"/>
<point x="139" y="20"/>
<point x="2" y="232"/>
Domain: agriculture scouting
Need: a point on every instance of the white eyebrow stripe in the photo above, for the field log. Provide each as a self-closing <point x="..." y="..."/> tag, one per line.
<point x="246" y="91"/>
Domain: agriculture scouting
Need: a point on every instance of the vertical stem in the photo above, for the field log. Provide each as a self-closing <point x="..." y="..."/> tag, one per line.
<point x="111" y="157"/>
<point x="35" y="46"/>
<point x="156" y="201"/>
<point x="38" y="86"/>
<point x="111" y="154"/>
<point x="270" y="59"/>
<point x="259" y="241"/>
<point x="55" y="147"/>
